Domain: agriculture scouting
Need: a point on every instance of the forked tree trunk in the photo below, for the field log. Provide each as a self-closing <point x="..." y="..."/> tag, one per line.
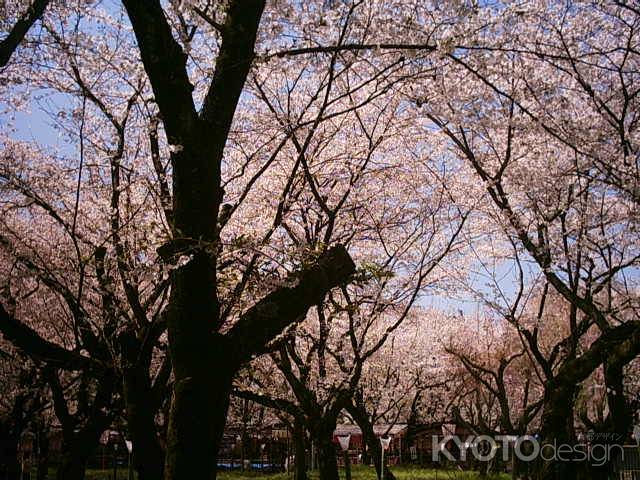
<point x="374" y="449"/>
<point x="81" y="441"/>
<point x="205" y="361"/>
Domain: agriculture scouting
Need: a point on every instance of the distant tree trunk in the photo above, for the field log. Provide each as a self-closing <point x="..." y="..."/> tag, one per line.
<point x="366" y="460"/>
<point x="244" y="437"/>
<point x="25" y="407"/>
<point x="413" y="420"/>
<point x="483" y="469"/>
<point x="72" y="465"/>
<point x="79" y="449"/>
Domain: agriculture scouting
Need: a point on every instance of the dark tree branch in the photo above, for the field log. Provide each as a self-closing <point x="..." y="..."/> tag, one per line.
<point x="10" y="43"/>
<point x="620" y="344"/>
<point x="353" y="47"/>
<point x="265" y="320"/>
<point x="165" y="64"/>
<point x="29" y="341"/>
<point x="232" y="67"/>
<point x="269" y="402"/>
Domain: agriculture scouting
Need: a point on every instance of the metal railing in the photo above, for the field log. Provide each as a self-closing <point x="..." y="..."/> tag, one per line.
<point x="627" y="466"/>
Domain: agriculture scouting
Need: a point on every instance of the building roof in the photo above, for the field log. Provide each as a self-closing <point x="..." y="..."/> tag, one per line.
<point x="379" y="429"/>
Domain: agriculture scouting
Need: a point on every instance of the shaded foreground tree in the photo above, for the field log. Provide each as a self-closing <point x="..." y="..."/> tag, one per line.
<point x="204" y="360"/>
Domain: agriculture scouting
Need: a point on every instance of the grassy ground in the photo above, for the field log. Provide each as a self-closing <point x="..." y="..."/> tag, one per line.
<point x="104" y="474"/>
<point x="359" y="472"/>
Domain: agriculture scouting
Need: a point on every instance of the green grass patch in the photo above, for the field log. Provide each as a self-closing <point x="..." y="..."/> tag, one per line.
<point x="359" y="472"/>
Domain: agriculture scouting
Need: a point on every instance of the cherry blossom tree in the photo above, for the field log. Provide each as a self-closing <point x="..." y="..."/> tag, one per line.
<point x="569" y="220"/>
<point x="218" y="159"/>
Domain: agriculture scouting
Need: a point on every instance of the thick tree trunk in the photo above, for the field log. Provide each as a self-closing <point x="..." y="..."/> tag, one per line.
<point x="43" y="455"/>
<point x="196" y="423"/>
<point x="9" y="463"/>
<point x="80" y="447"/>
<point x="72" y="466"/>
<point x="148" y="456"/>
<point x="557" y="429"/>
<point x="616" y="427"/>
<point x="617" y="345"/>
<point x="327" y="462"/>
<point x="202" y="378"/>
<point x="300" y="450"/>
<point x="197" y="420"/>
